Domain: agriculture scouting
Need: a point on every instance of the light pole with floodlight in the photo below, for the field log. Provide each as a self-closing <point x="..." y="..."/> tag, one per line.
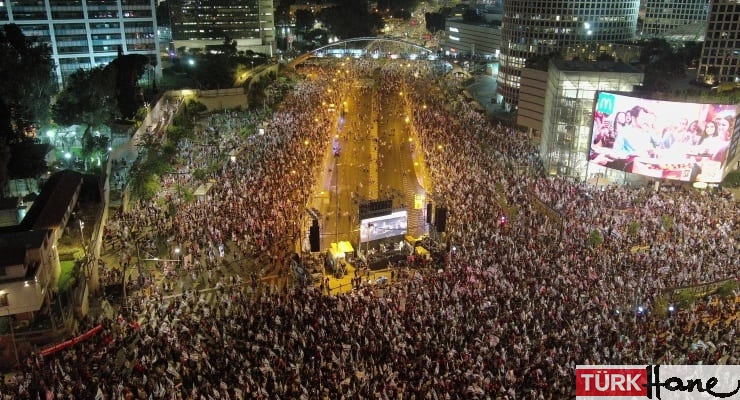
<point x="82" y="236"/>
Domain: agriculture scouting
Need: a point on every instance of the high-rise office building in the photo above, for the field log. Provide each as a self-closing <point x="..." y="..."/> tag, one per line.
<point x="202" y="23"/>
<point x="663" y="16"/>
<point x="87" y="33"/>
<point x="531" y="28"/>
<point x="720" y="56"/>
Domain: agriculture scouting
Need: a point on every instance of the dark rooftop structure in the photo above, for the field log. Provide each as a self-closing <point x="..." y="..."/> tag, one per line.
<point x="28" y="239"/>
<point x="594" y="66"/>
<point x="49" y="208"/>
<point x="9" y="203"/>
<point x="13" y="247"/>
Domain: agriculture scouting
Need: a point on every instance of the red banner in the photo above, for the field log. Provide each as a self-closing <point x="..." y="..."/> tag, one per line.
<point x="61" y="346"/>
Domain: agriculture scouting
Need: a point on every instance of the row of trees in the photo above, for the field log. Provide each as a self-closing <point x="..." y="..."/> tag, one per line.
<point x="97" y="96"/>
<point x="157" y="158"/>
<point x="345" y="18"/>
<point x="219" y="69"/>
<point x="27" y="88"/>
<point x="28" y="84"/>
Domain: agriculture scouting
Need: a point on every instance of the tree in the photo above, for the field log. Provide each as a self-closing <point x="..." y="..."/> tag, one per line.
<point x="376" y="22"/>
<point x="304" y="20"/>
<point x="732" y="179"/>
<point x="663" y="62"/>
<point x="163" y="14"/>
<point x="319" y="36"/>
<point x="88" y="98"/>
<point x="653" y="49"/>
<point x="215" y="71"/>
<point x="256" y="96"/>
<point x="25" y="161"/>
<point x="471" y="16"/>
<point x="146" y="186"/>
<point x="26" y="85"/>
<point x="434" y="22"/>
<point x="397" y="5"/>
<point x="229" y="46"/>
<point x="349" y="19"/>
<point x="691" y="52"/>
<point x="126" y="71"/>
<point x="595" y="239"/>
<point x="282" y="11"/>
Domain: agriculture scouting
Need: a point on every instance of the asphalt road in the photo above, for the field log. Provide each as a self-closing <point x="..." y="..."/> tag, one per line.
<point x="374" y="142"/>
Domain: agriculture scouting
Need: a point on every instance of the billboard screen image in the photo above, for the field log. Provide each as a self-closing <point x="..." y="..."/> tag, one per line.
<point x="387" y="226"/>
<point x="662" y="139"/>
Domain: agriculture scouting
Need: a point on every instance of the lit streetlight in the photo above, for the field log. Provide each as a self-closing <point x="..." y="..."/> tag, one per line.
<point x="82" y="236"/>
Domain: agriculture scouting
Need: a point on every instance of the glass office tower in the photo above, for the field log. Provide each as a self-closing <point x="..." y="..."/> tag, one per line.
<point x="532" y="28"/>
<point x="87" y="33"/>
<point x="720" y="56"/>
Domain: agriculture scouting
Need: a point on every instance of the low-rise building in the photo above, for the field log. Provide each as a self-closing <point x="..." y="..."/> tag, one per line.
<point x="26" y="270"/>
<point x="29" y="260"/>
<point x="464" y="38"/>
<point x="569" y="93"/>
<point x="205" y="25"/>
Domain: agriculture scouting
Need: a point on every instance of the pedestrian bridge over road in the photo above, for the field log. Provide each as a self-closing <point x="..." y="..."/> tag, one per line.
<point x="372" y="47"/>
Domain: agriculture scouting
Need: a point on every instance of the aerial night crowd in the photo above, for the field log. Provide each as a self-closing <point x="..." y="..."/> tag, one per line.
<point x="524" y="297"/>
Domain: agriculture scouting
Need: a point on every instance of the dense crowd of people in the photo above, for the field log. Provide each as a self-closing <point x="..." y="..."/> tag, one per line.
<point x="526" y="296"/>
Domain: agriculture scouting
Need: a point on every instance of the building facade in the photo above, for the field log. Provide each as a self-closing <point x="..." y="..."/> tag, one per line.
<point x="29" y="260"/>
<point x="720" y="56"/>
<point x="663" y="16"/>
<point x="568" y="111"/>
<point x="203" y="23"/>
<point x="532" y="28"/>
<point x="27" y="266"/>
<point x="473" y="39"/>
<point x="84" y="34"/>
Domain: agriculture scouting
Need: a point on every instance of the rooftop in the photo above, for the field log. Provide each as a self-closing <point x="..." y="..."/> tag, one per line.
<point x="595" y="66"/>
<point x="54" y="200"/>
<point x="24" y="240"/>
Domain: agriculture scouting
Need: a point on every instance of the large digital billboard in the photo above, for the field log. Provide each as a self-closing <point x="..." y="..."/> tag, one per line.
<point x="662" y="139"/>
<point x="387" y="226"/>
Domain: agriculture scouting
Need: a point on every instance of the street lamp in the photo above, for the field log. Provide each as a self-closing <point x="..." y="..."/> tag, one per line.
<point x="177" y="254"/>
<point x="4" y="297"/>
<point x="82" y="236"/>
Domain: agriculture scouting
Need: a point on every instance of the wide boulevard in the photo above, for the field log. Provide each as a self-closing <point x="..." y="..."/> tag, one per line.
<point x="373" y="156"/>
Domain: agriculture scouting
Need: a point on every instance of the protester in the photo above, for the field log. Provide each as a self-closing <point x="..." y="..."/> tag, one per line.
<point x="527" y="296"/>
